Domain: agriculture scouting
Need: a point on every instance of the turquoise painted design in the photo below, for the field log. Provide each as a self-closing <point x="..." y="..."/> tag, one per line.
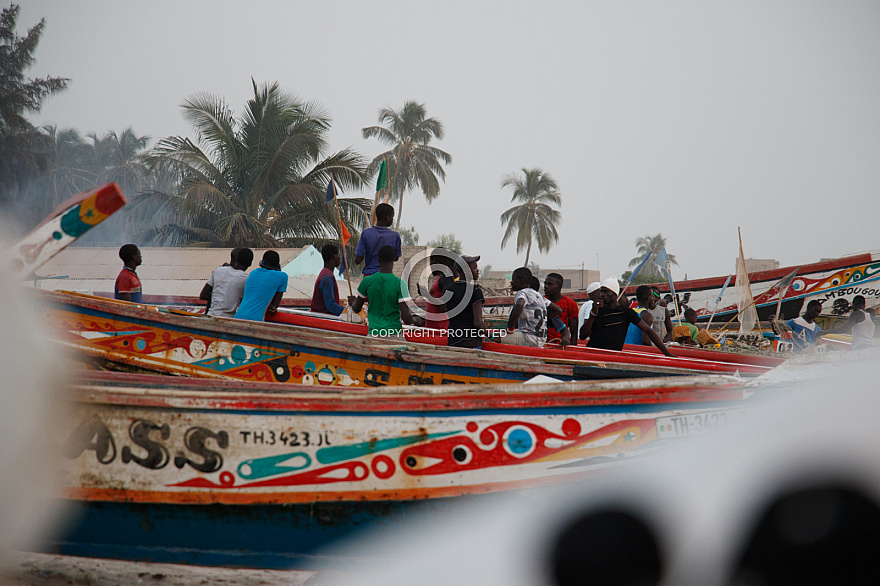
<point x="124" y="333"/>
<point x="271" y="465"/>
<point x="238" y="358"/>
<point x="72" y="224"/>
<point x="335" y="454"/>
<point x="519" y="441"/>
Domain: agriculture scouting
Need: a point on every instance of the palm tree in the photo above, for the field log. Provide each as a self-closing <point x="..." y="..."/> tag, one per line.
<point x="260" y="179"/>
<point x="22" y="155"/>
<point x="646" y="246"/>
<point x="533" y="220"/>
<point x="66" y="172"/>
<point x="125" y="159"/>
<point x="412" y="162"/>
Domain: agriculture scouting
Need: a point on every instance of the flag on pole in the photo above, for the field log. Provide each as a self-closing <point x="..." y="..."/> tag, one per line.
<point x="345" y="234"/>
<point x="331" y="192"/>
<point x="340" y="270"/>
<point x="382" y="180"/>
<point x="663" y="259"/>
<point x="723" y="289"/>
<point x="783" y="287"/>
<point x="637" y="269"/>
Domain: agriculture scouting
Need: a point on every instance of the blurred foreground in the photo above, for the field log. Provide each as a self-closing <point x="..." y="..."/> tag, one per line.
<point x="34" y="569"/>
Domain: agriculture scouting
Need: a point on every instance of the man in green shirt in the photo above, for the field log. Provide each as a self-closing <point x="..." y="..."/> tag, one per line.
<point x="387" y="297"/>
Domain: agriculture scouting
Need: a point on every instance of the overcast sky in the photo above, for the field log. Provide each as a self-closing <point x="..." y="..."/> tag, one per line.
<point x="682" y="118"/>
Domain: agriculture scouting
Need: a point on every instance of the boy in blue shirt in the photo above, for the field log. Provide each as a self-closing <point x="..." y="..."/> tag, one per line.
<point x="263" y="289"/>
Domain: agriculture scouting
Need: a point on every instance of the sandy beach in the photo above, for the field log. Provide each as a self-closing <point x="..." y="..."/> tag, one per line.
<point x="32" y="569"/>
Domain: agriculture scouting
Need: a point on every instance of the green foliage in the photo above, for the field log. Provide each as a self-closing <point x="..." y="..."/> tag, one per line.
<point x="409" y="236"/>
<point x="651" y="245"/>
<point x="412" y="161"/>
<point x="256" y="180"/>
<point x="22" y="149"/>
<point x="641" y="279"/>
<point x="534" y="220"/>
<point x="447" y="241"/>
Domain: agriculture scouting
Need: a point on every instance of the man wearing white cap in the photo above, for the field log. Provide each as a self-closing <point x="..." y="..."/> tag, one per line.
<point x="606" y="326"/>
<point x="589" y="304"/>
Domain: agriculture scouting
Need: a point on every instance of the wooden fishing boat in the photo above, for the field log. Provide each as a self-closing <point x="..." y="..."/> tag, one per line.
<point x="122" y="335"/>
<point x="213" y="472"/>
<point x="833" y="282"/>
<point x="632" y="354"/>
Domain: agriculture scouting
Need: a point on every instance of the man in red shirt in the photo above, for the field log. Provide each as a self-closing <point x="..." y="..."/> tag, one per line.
<point x="128" y="285"/>
<point x="569" y="316"/>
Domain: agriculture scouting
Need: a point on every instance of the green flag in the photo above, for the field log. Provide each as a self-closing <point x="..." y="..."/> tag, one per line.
<point x="382" y="181"/>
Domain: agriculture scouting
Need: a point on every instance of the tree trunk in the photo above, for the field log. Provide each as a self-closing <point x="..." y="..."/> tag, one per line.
<point x="528" y="252"/>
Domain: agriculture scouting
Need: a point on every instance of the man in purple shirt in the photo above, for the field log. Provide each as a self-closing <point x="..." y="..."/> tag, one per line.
<point x="372" y="239"/>
<point x="325" y="297"/>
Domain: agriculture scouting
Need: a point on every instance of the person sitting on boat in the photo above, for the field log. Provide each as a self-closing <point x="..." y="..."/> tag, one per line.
<point x="690" y="322"/>
<point x="263" y="289"/>
<point x="861" y="324"/>
<point x="232" y="256"/>
<point x="805" y="331"/>
<point x="325" y="296"/>
<point x="225" y="289"/>
<point x="593" y="299"/>
<point x="128" y="284"/>
<point x="662" y="323"/>
<point x="606" y="326"/>
<point x="527" y="325"/>
<point x="441" y="276"/>
<point x="387" y="296"/>
<point x="553" y="291"/>
<point x="466" y="326"/>
<point x="645" y="303"/>
<point x="372" y="239"/>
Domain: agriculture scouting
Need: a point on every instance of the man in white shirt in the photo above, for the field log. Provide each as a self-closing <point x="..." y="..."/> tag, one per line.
<point x="225" y="288"/>
<point x="593" y="301"/>
<point x="527" y="325"/>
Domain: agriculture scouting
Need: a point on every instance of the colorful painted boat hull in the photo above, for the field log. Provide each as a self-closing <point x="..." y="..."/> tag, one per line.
<point x="833" y="282"/>
<point x="146" y="338"/>
<point x="63" y="226"/>
<point x="224" y="472"/>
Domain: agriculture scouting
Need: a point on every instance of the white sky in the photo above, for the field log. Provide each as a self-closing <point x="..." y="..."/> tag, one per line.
<point x="684" y="118"/>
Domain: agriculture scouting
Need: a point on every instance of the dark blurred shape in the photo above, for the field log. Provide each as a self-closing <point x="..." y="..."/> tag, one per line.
<point x="606" y="547"/>
<point x="824" y="535"/>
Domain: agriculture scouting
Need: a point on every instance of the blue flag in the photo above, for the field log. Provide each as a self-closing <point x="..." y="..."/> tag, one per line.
<point x="331" y="192"/>
<point x="723" y="289"/>
<point x="340" y="270"/>
<point x="662" y="259"/>
<point x="638" y="268"/>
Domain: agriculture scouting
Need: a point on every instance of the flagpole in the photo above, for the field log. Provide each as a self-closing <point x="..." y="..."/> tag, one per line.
<point x="717" y="302"/>
<point x="776" y="284"/>
<point x="339" y="216"/>
<point x="672" y="288"/>
<point x="782" y="293"/>
<point x="373" y="218"/>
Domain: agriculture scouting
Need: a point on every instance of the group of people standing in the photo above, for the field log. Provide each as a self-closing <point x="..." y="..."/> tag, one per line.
<point x="455" y="301"/>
